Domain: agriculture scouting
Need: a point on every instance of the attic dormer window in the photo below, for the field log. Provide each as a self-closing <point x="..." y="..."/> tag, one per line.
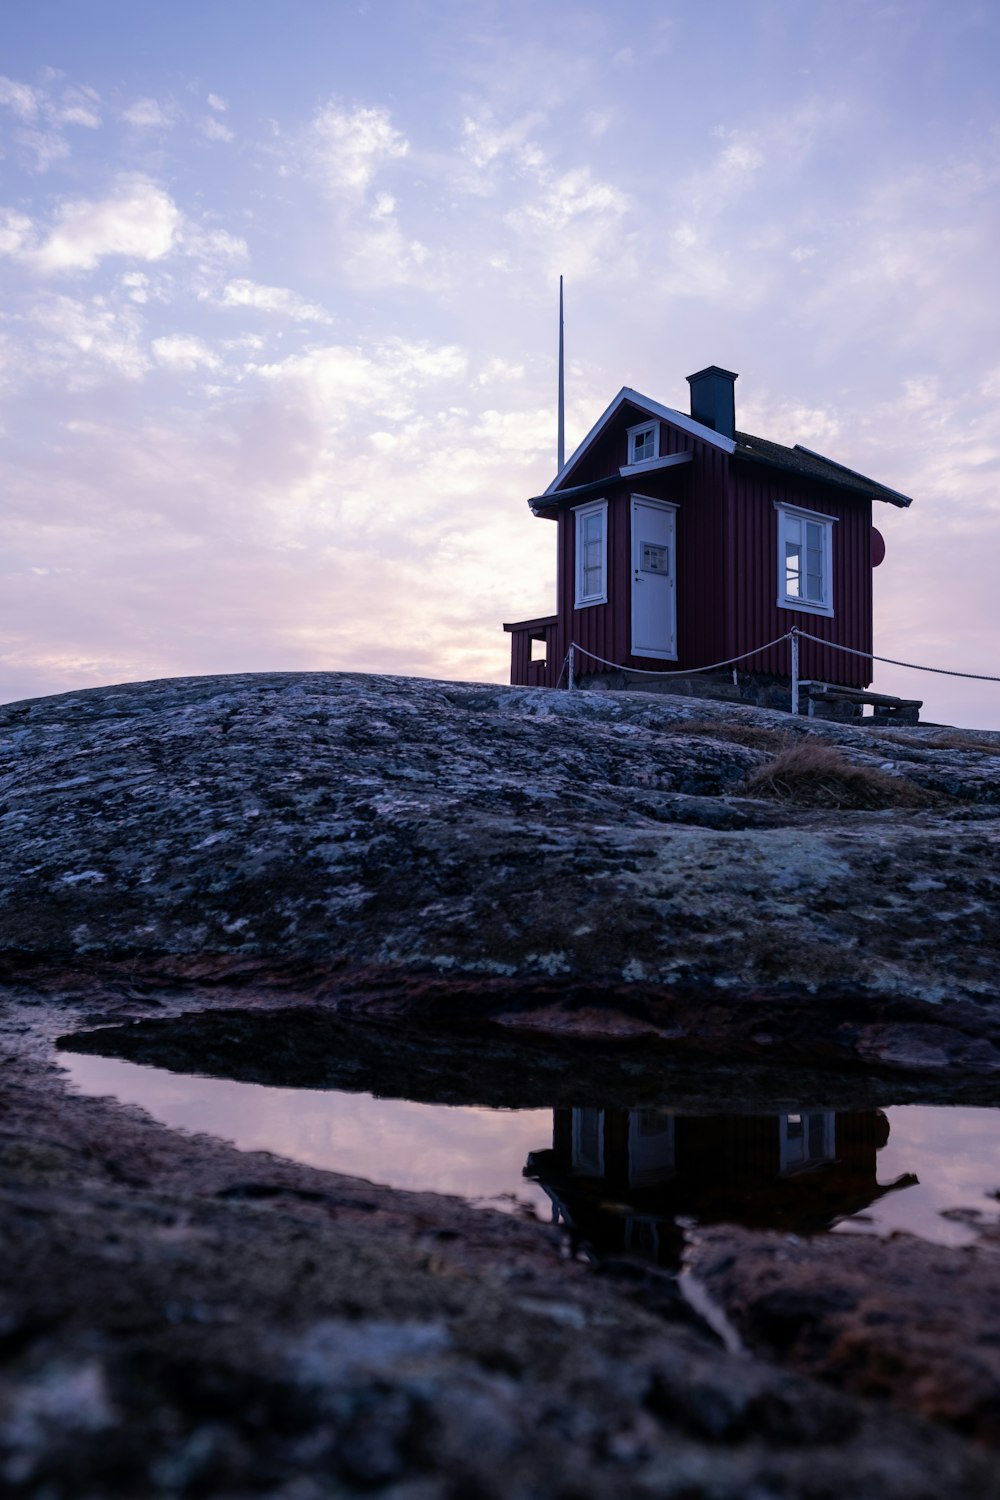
<point x="643" y="442"/>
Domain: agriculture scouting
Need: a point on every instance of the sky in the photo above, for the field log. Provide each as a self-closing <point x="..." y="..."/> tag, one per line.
<point x="278" y="310"/>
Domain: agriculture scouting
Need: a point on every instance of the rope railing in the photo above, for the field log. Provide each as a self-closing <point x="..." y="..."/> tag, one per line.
<point x="793" y="636"/>
<point x="687" y="671"/>
<point x="891" y="660"/>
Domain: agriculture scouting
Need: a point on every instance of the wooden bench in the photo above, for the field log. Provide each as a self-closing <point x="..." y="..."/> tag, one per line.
<point x="847" y="703"/>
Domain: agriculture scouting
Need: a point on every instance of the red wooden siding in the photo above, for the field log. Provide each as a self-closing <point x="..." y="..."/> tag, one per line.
<point x="523" y="671"/>
<point x="727" y="568"/>
<point x="699" y="490"/>
<point x="600" y="628"/>
<point x="753" y="549"/>
<point x="702" y="603"/>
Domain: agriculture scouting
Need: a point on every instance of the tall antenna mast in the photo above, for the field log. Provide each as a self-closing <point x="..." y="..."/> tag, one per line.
<point x="561" y="428"/>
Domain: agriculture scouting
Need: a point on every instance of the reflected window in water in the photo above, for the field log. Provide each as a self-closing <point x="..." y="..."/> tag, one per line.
<point x="807" y="1140"/>
<point x="650" y="1146"/>
<point x="624" y="1181"/>
<point x="588" y="1142"/>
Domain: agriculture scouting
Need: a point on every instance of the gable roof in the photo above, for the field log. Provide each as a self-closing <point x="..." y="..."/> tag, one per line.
<point x="796" y="460"/>
<point x="655" y="409"/>
<point x="810" y="465"/>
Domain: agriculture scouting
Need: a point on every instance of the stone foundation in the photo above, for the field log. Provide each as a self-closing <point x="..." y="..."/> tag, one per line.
<point x="763" y="689"/>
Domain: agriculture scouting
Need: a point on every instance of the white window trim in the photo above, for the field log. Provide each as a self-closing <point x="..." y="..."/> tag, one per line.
<point x="663" y="1165"/>
<point x="638" y="431"/>
<point x="594" y="508"/>
<point x="580" y="1160"/>
<point x="665" y="461"/>
<point x="793" y="1152"/>
<point x="786" y="601"/>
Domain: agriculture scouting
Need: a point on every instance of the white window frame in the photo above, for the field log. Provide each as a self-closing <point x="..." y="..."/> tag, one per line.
<point x="651" y="1146"/>
<point x="588" y="1125"/>
<point x="583" y="600"/>
<point x="824" y="605"/>
<point x="794" y="1136"/>
<point x="639" y="431"/>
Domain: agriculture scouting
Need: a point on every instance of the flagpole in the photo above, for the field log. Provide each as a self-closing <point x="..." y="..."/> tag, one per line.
<point x="561" y="427"/>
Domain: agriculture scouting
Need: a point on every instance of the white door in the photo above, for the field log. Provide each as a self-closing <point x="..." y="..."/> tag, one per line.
<point x="654" y="579"/>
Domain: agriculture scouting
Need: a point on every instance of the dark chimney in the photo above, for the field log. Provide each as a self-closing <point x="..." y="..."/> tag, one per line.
<point x="713" y="399"/>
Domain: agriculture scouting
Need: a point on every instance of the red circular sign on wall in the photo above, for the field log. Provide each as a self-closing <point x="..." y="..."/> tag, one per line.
<point x="878" y="548"/>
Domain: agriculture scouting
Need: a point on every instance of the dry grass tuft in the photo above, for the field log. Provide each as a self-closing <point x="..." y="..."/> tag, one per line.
<point x="753" y="736"/>
<point x="817" y="775"/>
<point x="951" y="739"/>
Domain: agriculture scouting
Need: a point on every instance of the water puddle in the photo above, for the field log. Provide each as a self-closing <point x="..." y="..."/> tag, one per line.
<point x="623" y="1181"/>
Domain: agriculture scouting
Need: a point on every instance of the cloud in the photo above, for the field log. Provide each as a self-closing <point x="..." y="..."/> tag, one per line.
<point x="347" y="147"/>
<point x="214" y="130"/>
<point x="570" y="219"/>
<point x="741" y="160"/>
<point x="272" y="299"/>
<point x="21" y="98"/>
<point x="499" y="370"/>
<point x="78" y="106"/>
<point x="136" y="286"/>
<point x="211" y="245"/>
<point x="573" y="222"/>
<point x="138" y="220"/>
<point x="336" y="378"/>
<point x="334" y="478"/>
<point x="44" y="114"/>
<point x="179" y="351"/>
<point x="44" y="147"/>
<point x="790" y="422"/>
<point x="383" y="256"/>
<point x="573" y="196"/>
<point x="488" y="146"/>
<point x="81" y="341"/>
<point x="16" y="233"/>
<point x="147" y="114"/>
<point x="214" y="102"/>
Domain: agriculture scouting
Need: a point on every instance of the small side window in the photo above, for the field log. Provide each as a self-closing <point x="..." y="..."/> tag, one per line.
<point x="592" y="554"/>
<point x="805" y="560"/>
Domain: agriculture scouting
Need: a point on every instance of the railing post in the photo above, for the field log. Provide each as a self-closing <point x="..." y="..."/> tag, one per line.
<point x="795" y="670"/>
<point x="569" y="674"/>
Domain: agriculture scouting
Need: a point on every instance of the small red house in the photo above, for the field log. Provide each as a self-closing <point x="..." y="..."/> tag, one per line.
<point x="626" y="1180"/>
<point x="683" y="542"/>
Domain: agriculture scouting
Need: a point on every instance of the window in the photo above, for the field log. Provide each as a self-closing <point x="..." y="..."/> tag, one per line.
<point x="592" y="554"/>
<point x="805" y="560"/>
<point x="806" y="1140"/>
<point x="588" y="1142"/>
<point x="650" y="1146"/>
<point x="643" y="442"/>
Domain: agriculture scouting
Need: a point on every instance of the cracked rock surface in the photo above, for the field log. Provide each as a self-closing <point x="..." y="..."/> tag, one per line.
<point x="178" y="1318"/>
<point x="523" y="853"/>
<point x="368" y="854"/>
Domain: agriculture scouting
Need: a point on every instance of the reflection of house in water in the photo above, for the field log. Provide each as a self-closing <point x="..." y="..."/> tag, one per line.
<point x="621" y="1178"/>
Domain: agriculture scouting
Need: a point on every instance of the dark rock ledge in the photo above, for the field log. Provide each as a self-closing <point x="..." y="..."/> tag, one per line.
<point x="577" y="863"/>
<point x="178" y="1318"/>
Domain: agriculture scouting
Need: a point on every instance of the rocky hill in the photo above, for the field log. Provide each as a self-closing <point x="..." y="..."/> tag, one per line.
<point x="614" y="862"/>
<point x="487" y="894"/>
